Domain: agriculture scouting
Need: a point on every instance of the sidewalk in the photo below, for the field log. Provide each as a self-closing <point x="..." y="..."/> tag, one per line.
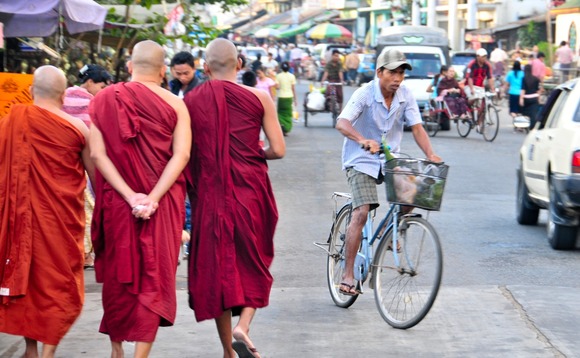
<point x="482" y="321"/>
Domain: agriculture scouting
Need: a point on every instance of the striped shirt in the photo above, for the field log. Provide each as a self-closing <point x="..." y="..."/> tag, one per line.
<point x="76" y="103"/>
<point x="369" y="115"/>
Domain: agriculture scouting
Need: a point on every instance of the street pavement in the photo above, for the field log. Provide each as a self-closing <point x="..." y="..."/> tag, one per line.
<point x="476" y="313"/>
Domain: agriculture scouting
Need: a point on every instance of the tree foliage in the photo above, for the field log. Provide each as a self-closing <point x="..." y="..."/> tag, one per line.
<point x="529" y="35"/>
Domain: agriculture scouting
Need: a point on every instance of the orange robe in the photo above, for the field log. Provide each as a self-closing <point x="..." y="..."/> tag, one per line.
<point x="42" y="220"/>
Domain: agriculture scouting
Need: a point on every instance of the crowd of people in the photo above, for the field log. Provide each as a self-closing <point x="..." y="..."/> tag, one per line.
<point x="523" y="83"/>
<point x="139" y="149"/>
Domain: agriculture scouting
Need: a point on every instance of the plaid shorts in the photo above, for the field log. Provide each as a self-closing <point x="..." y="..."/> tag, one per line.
<point x="363" y="188"/>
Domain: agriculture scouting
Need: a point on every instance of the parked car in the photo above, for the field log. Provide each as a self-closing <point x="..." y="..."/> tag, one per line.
<point x="366" y="68"/>
<point x="460" y="60"/>
<point x="549" y="173"/>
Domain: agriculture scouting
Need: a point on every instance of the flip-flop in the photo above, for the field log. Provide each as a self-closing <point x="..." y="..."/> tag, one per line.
<point x="349" y="292"/>
<point x="243" y="350"/>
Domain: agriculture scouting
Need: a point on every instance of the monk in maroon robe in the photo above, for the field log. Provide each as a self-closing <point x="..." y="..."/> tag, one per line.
<point x="233" y="211"/>
<point x="140" y="142"/>
<point x="43" y="157"/>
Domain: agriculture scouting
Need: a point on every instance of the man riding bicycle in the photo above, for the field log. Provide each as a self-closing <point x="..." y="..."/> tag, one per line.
<point x="375" y="112"/>
<point x="476" y="73"/>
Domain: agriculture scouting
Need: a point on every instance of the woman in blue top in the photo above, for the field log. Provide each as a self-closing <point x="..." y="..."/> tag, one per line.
<point x="513" y="81"/>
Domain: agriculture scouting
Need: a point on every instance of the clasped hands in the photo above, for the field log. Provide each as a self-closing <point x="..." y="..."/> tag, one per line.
<point x="142" y="206"/>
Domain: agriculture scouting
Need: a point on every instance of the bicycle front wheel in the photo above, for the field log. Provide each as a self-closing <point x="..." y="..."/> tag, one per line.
<point x="490" y="126"/>
<point x="431" y="125"/>
<point x="405" y="293"/>
<point x="463" y="127"/>
<point x="335" y="263"/>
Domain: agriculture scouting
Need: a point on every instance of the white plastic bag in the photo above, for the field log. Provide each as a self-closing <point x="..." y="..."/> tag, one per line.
<point x="316" y="101"/>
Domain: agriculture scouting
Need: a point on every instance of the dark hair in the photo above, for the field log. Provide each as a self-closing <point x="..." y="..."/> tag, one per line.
<point x="182" y="58"/>
<point x="96" y="73"/>
<point x="443" y="69"/>
<point x="563" y="43"/>
<point x="249" y="79"/>
<point x="517" y="67"/>
<point x="258" y="57"/>
<point x="541" y="55"/>
<point x="243" y="58"/>
<point x="334" y="52"/>
<point x="285" y="66"/>
<point x="529" y="78"/>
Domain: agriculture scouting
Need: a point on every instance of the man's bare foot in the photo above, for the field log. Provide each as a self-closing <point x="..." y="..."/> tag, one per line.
<point x="241" y="336"/>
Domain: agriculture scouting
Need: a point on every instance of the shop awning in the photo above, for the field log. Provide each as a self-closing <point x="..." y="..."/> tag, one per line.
<point x="296" y="30"/>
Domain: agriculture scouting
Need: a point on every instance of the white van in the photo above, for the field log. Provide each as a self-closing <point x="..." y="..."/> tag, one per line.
<point x="426" y="49"/>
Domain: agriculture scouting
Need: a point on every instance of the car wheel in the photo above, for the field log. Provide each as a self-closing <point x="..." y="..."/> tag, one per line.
<point x="526" y="211"/>
<point x="560" y="237"/>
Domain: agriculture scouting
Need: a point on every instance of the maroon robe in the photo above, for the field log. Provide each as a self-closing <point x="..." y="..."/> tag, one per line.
<point x="136" y="259"/>
<point x="233" y="211"/>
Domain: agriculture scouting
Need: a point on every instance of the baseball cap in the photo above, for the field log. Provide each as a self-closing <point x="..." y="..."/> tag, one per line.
<point x="481" y="52"/>
<point x="391" y="59"/>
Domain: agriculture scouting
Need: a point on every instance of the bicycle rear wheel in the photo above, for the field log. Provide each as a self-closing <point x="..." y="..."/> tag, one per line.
<point x="490" y="126"/>
<point x="335" y="261"/>
<point x="404" y="294"/>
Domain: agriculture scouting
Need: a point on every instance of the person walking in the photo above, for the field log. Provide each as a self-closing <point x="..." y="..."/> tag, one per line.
<point x="529" y="99"/>
<point x="183" y="70"/>
<point x="140" y="143"/>
<point x="565" y="57"/>
<point x="351" y="63"/>
<point x="375" y="113"/>
<point x="44" y="155"/>
<point x="234" y="212"/>
<point x="513" y="87"/>
<point x="265" y="83"/>
<point x="93" y="79"/>
<point x="286" y="84"/>
<point x="538" y="67"/>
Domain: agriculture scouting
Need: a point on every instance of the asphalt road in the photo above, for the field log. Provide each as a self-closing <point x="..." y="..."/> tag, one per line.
<point x="505" y="292"/>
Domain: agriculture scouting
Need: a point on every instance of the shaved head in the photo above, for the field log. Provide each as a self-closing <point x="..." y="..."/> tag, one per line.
<point x="221" y="56"/>
<point x="49" y="83"/>
<point x="147" y="58"/>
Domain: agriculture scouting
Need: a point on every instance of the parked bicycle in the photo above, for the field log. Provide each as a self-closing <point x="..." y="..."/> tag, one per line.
<point x="405" y="279"/>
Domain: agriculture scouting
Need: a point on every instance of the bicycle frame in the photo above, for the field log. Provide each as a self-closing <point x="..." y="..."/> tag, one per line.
<point x="365" y="255"/>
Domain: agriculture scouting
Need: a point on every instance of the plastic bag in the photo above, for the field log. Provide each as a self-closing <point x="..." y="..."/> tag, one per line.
<point x="315" y="101"/>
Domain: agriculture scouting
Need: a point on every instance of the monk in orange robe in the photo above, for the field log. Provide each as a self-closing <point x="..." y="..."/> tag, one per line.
<point x="140" y="143"/>
<point x="43" y="157"/>
<point x="233" y="210"/>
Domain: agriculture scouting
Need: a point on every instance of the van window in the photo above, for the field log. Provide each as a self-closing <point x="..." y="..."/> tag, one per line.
<point x="425" y="65"/>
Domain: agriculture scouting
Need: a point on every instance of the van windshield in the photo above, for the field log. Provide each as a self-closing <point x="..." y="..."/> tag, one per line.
<point x="425" y="65"/>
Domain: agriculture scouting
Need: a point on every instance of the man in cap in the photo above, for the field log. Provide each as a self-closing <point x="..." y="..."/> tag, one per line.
<point x="477" y="72"/>
<point x="375" y="113"/>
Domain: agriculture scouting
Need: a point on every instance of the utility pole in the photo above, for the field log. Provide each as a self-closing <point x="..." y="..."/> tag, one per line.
<point x="549" y="32"/>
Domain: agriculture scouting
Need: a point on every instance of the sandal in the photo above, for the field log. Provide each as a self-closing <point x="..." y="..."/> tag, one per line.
<point x="351" y="290"/>
<point x="243" y="350"/>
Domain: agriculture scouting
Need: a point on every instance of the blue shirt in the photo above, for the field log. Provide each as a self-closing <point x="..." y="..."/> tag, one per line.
<point x="515" y="82"/>
<point x="367" y="112"/>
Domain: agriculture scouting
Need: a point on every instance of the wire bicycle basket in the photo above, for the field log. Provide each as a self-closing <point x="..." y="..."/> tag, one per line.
<point x="415" y="182"/>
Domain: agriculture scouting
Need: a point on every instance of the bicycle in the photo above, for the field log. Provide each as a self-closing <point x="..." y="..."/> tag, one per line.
<point x="331" y="106"/>
<point x="483" y="117"/>
<point x="405" y="280"/>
